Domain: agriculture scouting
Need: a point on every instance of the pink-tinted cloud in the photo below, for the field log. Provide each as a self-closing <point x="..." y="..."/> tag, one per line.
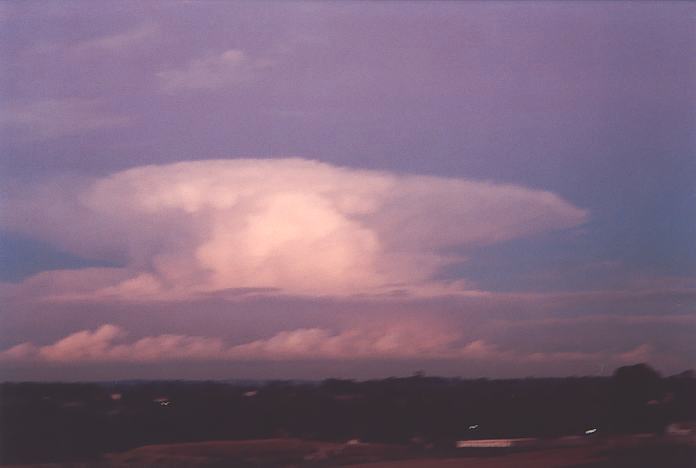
<point x="296" y="226"/>
<point x="405" y="340"/>
<point x="102" y="345"/>
<point x="397" y="341"/>
<point x="641" y="353"/>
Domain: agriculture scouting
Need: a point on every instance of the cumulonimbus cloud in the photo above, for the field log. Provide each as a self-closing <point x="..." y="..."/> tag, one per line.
<point x="289" y="225"/>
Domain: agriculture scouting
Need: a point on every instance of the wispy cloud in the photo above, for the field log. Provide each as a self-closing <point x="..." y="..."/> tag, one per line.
<point x="119" y="42"/>
<point x="60" y="117"/>
<point x="296" y="226"/>
<point x="139" y="37"/>
<point x="213" y="71"/>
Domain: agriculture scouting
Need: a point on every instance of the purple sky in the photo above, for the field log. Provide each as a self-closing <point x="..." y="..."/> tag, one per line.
<point x="305" y="190"/>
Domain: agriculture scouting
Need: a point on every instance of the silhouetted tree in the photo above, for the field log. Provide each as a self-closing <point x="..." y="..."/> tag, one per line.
<point x="636" y="396"/>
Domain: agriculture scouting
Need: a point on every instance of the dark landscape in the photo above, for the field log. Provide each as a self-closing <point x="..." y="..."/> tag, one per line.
<point x="633" y="415"/>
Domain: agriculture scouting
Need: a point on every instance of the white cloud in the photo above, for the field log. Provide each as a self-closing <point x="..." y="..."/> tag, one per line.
<point x="213" y="71"/>
<point x="59" y="117"/>
<point x="292" y="225"/>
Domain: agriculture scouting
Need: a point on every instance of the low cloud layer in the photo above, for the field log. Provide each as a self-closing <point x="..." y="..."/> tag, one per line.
<point x="292" y="226"/>
<point x="109" y="343"/>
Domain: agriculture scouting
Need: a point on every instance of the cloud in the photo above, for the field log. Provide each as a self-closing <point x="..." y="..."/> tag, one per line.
<point x="119" y="42"/>
<point x="415" y="340"/>
<point x="292" y="225"/>
<point x="103" y="344"/>
<point x="605" y="319"/>
<point x="139" y="38"/>
<point x="642" y="353"/>
<point x="404" y="340"/>
<point x="52" y="118"/>
<point x="212" y="72"/>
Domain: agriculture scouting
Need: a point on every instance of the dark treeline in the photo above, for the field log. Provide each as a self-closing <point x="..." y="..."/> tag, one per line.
<point x="41" y="422"/>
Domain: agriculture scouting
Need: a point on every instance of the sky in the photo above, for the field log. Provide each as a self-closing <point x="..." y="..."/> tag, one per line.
<point x="302" y="190"/>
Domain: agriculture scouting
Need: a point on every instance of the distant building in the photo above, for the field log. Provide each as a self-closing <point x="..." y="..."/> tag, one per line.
<point x="496" y="443"/>
<point x="681" y="429"/>
<point x="162" y="401"/>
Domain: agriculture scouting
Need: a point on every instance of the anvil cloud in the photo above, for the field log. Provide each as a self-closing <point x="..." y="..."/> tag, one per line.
<point x="291" y="225"/>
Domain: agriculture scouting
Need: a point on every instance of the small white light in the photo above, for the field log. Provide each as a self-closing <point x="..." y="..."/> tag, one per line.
<point x="590" y="431"/>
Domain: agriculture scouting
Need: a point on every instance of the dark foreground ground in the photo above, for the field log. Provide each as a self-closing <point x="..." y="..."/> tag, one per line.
<point x="615" y="452"/>
<point x="635" y="418"/>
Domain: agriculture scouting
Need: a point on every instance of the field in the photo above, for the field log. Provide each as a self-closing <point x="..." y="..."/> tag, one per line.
<point x="624" y="452"/>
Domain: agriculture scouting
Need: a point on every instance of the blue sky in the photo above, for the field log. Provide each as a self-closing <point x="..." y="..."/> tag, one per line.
<point x="505" y="188"/>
